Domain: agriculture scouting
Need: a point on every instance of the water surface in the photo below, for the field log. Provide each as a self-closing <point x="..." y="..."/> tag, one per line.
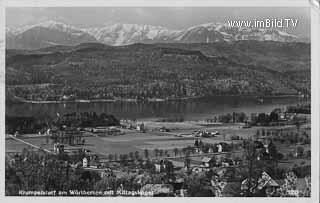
<point x="188" y="109"/>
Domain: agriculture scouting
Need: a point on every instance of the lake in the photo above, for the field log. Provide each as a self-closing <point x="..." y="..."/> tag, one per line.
<point x="194" y="109"/>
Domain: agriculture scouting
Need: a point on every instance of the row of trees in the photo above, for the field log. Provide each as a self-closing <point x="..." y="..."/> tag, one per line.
<point x="284" y="136"/>
<point x="160" y="153"/>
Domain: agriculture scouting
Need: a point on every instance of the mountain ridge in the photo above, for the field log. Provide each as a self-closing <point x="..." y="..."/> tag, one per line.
<point x="50" y="33"/>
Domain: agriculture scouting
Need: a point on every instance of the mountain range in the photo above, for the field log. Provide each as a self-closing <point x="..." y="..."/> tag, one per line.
<point x="52" y="33"/>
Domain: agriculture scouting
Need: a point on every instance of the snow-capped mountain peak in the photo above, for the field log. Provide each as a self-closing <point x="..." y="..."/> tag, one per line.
<point x="120" y="34"/>
<point x="50" y="24"/>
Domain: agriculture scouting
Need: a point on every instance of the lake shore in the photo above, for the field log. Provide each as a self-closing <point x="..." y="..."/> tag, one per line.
<point x="157" y="99"/>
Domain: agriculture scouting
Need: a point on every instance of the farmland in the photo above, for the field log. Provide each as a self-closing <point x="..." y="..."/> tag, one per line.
<point x="132" y="140"/>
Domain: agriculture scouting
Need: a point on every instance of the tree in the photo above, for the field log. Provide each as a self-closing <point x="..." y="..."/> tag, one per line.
<point x="136" y="154"/>
<point x="258" y="133"/>
<point x="251" y="174"/>
<point x="187" y="160"/>
<point x="166" y="153"/>
<point x="298" y="125"/>
<point x="296" y="137"/>
<point x="196" y="143"/>
<point x="274" y="116"/>
<point x="290" y="184"/>
<point x="146" y="153"/>
<point x="273" y="151"/>
<point x="169" y="169"/>
<point x="308" y="153"/>
<point x="156" y="152"/>
<point x="131" y="155"/>
<point x="110" y="157"/>
<point x="109" y="183"/>
<point x="161" y="152"/>
<point x="300" y="151"/>
<point x="198" y="185"/>
<point x="176" y="151"/>
<point x="268" y="133"/>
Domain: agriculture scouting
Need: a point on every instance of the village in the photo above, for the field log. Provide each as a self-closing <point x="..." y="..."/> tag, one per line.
<point x="170" y="158"/>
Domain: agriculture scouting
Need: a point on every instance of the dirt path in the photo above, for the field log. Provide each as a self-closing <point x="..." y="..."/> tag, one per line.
<point x="32" y="145"/>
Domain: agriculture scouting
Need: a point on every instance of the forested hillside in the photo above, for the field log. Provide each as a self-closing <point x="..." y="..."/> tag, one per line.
<point x="141" y="71"/>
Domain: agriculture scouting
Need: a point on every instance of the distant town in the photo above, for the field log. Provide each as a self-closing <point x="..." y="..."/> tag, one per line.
<point x="96" y="154"/>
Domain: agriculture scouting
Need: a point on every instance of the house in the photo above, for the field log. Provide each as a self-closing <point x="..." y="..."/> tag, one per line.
<point x="178" y="186"/>
<point x="231" y="189"/>
<point x="85" y="162"/>
<point x="266" y="181"/>
<point x="227" y="162"/>
<point x="302" y="187"/>
<point x="208" y="162"/>
<point x="58" y="148"/>
<point x="218" y="185"/>
<point x="16" y="134"/>
<point x="263" y="154"/>
<point x="140" y="127"/>
<point x="198" y="169"/>
<point x="164" y="129"/>
<point x="157" y="167"/>
<point x="263" y="186"/>
<point x="198" y="150"/>
<point x="185" y="135"/>
<point x="215" y="133"/>
<point x="278" y="115"/>
<point x="296" y="153"/>
<point x="204" y="133"/>
<point x="160" y="166"/>
<point x="91" y="162"/>
<point x="290" y="116"/>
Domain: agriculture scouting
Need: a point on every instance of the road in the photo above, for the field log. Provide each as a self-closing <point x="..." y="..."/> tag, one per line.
<point x="32" y="145"/>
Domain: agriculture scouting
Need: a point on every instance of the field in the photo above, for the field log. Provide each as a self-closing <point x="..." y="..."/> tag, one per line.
<point x="133" y="140"/>
<point x="14" y="146"/>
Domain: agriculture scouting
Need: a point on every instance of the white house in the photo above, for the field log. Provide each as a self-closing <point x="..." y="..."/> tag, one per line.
<point x="85" y="162"/>
<point x="140" y="127"/>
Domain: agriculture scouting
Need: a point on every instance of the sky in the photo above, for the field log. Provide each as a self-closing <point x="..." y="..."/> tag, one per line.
<point x="170" y="17"/>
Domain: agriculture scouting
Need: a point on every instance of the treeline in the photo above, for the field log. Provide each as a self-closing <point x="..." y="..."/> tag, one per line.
<point x="29" y="124"/>
<point x="24" y="125"/>
<point x="86" y="119"/>
<point x="303" y="109"/>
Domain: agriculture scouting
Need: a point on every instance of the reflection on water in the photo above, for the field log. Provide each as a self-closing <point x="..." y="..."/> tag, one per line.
<point x="191" y="109"/>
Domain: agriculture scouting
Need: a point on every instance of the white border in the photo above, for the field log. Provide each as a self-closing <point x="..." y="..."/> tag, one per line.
<point x="315" y="64"/>
<point x="156" y="3"/>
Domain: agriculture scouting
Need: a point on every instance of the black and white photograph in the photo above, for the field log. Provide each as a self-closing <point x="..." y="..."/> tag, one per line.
<point x="158" y="102"/>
